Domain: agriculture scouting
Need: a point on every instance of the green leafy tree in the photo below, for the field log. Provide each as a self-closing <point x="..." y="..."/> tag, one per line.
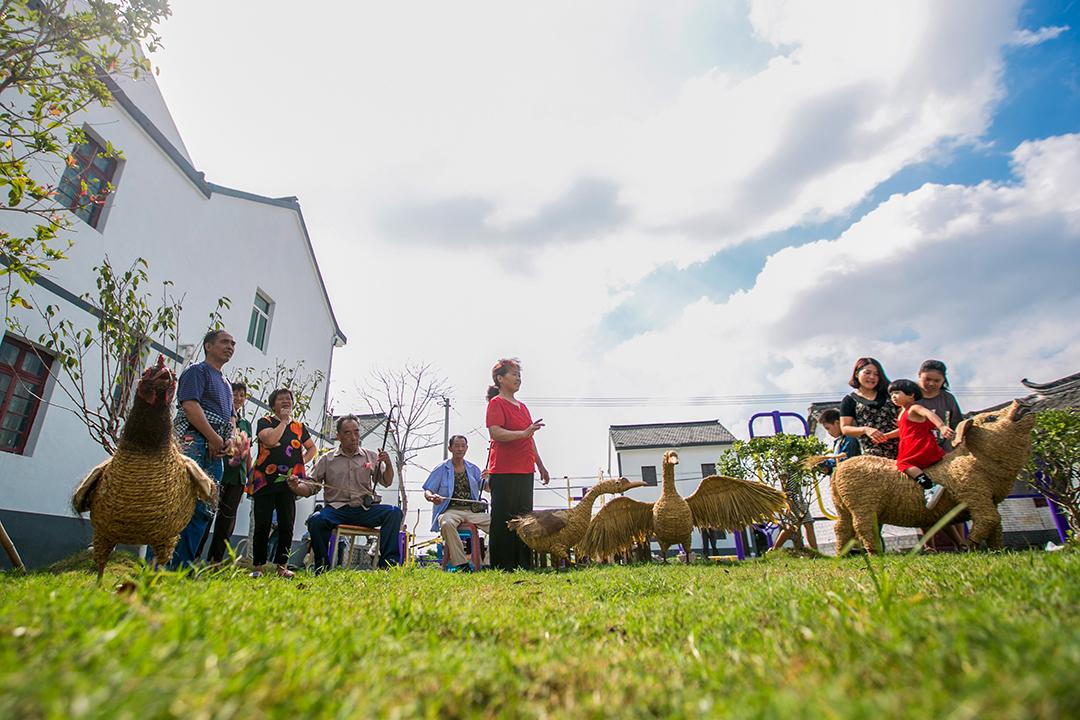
<point x="291" y="376"/>
<point x="778" y="461"/>
<point x="1054" y="468"/>
<point x="54" y="55"/>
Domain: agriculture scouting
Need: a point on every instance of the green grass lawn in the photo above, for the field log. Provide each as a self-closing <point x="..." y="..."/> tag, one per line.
<point x="957" y="636"/>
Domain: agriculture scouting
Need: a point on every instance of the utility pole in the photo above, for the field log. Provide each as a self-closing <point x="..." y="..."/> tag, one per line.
<point x="446" y="427"/>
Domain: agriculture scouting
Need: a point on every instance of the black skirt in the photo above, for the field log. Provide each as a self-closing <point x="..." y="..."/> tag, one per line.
<point x="511" y="495"/>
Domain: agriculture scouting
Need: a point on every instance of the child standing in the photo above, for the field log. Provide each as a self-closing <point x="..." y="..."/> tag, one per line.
<point x="918" y="447"/>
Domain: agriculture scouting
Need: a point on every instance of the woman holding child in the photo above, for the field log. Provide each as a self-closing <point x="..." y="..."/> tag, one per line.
<point x="867" y="413"/>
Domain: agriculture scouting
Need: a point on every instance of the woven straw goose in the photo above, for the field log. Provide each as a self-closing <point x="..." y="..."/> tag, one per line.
<point x="557" y="531"/>
<point x="146" y="492"/>
<point x="723" y="502"/>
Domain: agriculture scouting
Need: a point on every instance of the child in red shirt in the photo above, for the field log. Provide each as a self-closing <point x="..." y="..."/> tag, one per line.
<point x="918" y="446"/>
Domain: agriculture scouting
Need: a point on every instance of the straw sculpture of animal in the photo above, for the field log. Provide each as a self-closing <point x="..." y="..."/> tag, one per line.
<point x="146" y="492"/>
<point x="991" y="448"/>
<point x="557" y="531"/>
<point x="719" y="501"/>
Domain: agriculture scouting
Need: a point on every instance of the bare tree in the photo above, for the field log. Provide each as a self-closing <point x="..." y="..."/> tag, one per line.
<point x="413" y="391"/>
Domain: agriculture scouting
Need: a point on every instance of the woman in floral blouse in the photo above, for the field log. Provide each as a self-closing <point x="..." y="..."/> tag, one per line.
<point x="285" y="445"/>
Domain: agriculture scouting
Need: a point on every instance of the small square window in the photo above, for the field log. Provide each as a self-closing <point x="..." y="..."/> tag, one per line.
<point x="707" y="469"/>
<point x="84" y="185"/>
<point x="259" y="326"/>
<point x="648" y="474"/>
<point x="23" y="372"/>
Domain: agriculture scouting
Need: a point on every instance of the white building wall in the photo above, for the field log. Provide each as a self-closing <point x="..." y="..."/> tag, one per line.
<point x="221" y="245"/>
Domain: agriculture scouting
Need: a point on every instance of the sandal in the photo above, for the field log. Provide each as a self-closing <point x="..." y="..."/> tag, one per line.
<point x="284" y="571"/>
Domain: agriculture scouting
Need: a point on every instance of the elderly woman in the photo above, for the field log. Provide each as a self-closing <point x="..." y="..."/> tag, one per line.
<point x="511" y="461"/>
<point x="285" y="446"/>
<point x="867" y="413"/>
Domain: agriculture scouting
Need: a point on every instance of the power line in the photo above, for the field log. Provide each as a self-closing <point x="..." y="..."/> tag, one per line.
<point x="726" y="400"/>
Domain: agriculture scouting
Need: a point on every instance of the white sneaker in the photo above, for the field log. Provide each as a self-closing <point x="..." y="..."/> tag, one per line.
<point x="933" y="495"/>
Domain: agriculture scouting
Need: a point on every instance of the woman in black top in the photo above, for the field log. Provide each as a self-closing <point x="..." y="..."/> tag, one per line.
<point x="868" y="414"/>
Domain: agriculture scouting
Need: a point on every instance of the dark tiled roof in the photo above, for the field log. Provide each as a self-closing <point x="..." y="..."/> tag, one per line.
<point x="670" y="435"/>
<point x="1059" y="394"/>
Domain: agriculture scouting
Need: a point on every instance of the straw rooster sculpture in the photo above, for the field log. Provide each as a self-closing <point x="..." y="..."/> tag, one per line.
<point x="721" y="502"/>
<point x="557" y="531"/>
<point x="146" y="492"/>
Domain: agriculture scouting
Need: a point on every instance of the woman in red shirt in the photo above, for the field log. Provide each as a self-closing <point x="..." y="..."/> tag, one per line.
<point x="511" y="461"/>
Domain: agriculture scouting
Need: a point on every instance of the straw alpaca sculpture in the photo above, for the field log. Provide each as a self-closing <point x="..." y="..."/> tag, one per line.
<point x="557" y="531"/>
<point x="991" y="448"/>
<point x="719" y="501"/>
<point x="146" y="492"/>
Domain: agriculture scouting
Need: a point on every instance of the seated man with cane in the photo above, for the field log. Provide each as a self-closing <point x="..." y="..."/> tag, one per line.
<point x="453" y="489"/>
<point x="347" y="476"/>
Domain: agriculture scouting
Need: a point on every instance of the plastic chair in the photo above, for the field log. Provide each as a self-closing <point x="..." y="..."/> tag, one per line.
<point x="472" y="533"/>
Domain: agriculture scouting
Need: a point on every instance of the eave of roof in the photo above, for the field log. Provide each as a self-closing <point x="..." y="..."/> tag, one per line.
<point x="198" y="179"/>
<point x="681" y="445"/>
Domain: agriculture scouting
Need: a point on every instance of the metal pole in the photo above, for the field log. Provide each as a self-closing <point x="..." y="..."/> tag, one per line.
<point x="446" y="428"/>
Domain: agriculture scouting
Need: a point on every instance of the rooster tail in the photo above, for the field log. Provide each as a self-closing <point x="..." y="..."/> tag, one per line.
<point x="84" y="493"/>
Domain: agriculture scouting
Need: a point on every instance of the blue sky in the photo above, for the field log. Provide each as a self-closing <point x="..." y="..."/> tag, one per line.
<point x="527" y="179"/>
<point x="1041" y="99"/>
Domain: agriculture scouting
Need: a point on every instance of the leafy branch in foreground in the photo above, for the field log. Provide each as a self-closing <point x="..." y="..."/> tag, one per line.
<point x="1054" y="468"/>
<point x="54" y="57"/>
<point x="96" y="366"/>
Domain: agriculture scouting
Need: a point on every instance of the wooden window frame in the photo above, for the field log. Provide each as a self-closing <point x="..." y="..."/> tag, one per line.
<point x="259" y="315"/>
<point x="86" y="171"/>
<point x="37" y="384"/>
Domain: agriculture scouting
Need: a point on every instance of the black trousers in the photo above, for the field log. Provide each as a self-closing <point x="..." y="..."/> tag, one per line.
<point x="511" y="495"/>
<point x="273" y="497"/>
<point x="225" y="522"/>
<point x="708" y="541"/>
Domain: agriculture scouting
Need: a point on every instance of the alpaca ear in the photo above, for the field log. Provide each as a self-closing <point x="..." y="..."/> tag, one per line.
<point x="960" y="430"/>
<point x="1013" y="413"/>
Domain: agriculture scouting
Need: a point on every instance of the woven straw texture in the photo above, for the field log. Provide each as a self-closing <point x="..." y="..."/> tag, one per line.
<point x="991" y="448"/>
<point x="139" y="498"/>
<point x="557" y="531"/>
<point x="718" y="502"/>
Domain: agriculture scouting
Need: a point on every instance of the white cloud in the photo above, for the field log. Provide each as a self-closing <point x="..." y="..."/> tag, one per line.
<point x="981" y="276"/>
<point x="1028" y="38"/>
<point x="497" y="113"/>
<point x="855" y="92"/>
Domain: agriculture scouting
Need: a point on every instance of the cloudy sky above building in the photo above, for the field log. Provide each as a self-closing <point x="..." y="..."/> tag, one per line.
<point x="676" y="202"/>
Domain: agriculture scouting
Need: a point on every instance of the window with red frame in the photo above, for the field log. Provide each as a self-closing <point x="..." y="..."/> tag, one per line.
<point x="22" y="381"/>
<point x="85" y="183"/>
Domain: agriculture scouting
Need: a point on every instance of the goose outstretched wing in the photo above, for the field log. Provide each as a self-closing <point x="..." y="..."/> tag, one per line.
<point x="617" y="526"/>
<point x="731" y="503"/>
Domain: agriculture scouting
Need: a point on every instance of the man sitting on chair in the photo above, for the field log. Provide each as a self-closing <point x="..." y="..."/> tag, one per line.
<point x="453" y="489"/>
<point x="347" y="475"/>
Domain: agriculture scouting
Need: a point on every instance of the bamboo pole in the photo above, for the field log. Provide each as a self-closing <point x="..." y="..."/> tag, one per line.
<point x="9" y="548"/>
